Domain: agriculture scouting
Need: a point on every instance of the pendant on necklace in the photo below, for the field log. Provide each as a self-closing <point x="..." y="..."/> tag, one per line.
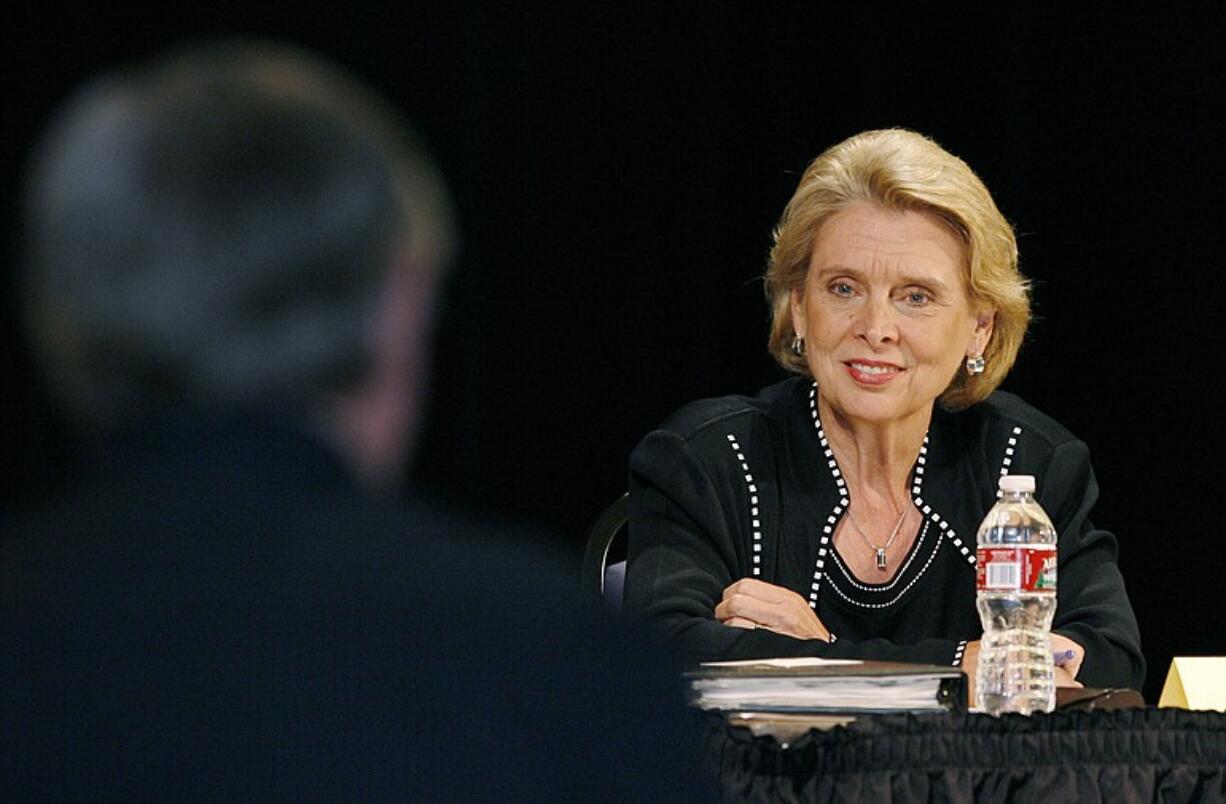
<point x="880" y="558"/>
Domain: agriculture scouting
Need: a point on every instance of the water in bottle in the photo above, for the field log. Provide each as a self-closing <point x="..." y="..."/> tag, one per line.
<point x="1016" y="597"/>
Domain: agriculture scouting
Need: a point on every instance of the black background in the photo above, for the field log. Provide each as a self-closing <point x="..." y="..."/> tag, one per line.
<point x="618" y="169"/>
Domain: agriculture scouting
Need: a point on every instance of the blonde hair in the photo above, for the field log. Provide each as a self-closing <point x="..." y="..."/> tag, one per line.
<point x="897" y="169"/>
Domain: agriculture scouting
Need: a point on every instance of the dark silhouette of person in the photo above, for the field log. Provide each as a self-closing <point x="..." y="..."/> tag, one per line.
<point x="232" y="255"/>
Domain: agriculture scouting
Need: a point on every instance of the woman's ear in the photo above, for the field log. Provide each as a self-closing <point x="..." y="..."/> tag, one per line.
<point x="985" y="320"/>
<point x="796" y="299"/>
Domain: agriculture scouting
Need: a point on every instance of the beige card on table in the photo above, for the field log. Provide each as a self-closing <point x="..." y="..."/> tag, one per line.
<point x="1195" y="682"/>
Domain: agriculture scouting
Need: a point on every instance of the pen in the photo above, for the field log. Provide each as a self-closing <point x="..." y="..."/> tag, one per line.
<point x="1061" y="657"/>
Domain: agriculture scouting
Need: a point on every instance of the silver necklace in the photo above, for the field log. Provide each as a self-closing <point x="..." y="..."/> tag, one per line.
<point x="879" y="551"/>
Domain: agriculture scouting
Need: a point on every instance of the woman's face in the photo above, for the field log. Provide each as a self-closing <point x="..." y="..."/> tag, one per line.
<point x="885" y="314"/>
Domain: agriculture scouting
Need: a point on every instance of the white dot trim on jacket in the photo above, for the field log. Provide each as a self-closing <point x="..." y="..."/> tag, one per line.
<point x="1007" y="460"/>
<point x="823" y="545"/>
<point x="917" y="487"/>
<point x="958" y="653"/>
<point x="751" y="487"/>
<point x="916" y="490"/>
<point x="947" y="531"/>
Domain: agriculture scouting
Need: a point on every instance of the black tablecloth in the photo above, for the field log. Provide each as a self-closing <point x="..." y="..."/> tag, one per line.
<point x="1127" y="755"/>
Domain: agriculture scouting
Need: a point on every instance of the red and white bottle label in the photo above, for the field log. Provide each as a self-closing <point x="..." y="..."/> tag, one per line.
<point x="1018" y="569"/>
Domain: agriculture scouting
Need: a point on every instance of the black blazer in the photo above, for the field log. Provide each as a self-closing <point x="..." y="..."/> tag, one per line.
<point x="747" y="487"/>
<point x="215" y="613"/>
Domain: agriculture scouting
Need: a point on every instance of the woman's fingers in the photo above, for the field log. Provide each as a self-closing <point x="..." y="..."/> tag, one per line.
<point x="1065" y="679"/>
<point x="740" y="622"/>
<point x="970" y="666"/>
<point x="1060" y="644"/>
<point x="747" y="607"/>
<point x="761" y="590"/>
<point x="769" y="606"/>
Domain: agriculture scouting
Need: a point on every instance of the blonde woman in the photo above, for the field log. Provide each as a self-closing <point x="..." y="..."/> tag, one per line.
<point x="834" y="513"/>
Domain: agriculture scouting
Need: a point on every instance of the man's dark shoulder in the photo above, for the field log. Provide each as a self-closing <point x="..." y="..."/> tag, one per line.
<point x="695" y="419"/>
<point x="321" y="638"/>
<point x="509" y="554"/>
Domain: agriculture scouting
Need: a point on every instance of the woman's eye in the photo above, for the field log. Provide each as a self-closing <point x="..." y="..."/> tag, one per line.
<point x="917" y="298"/>
<point x="841" y="289"/>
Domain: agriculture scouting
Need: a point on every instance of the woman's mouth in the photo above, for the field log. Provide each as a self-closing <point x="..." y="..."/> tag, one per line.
<point x="872" y="372"/>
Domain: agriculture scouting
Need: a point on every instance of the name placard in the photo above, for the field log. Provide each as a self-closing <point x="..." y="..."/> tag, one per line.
<point x="1195" y="682"/>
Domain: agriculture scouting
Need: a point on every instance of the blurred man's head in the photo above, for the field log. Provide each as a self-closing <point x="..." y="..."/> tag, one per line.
<point x="236" y="226"/>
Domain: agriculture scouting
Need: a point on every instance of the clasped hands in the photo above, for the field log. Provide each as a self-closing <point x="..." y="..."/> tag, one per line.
<point x="750" y="603"/>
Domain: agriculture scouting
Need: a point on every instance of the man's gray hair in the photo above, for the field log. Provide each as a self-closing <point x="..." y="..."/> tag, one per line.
<point x="214" y="228"/>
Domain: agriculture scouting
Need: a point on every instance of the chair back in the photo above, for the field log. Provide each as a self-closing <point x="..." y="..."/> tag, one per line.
<point x="601" y="584"/>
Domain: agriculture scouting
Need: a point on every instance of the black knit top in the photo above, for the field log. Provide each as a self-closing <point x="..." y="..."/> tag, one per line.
<point x="748" y="487"/>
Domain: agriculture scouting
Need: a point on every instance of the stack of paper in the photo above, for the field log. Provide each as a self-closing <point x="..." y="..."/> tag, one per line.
<point x="826" y="685"/>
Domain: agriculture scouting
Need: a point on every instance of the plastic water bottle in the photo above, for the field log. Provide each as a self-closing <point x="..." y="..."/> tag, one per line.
<point x="1016" y="583"/>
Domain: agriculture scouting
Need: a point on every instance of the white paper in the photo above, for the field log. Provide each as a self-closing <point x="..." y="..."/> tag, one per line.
<point x="802" y="661"/>
<point x="904" y="693"/>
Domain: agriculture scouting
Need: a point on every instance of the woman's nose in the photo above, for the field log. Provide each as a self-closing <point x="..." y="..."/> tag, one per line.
<point x="876" y="322"/>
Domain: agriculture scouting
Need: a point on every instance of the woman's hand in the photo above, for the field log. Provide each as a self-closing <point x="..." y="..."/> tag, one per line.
<point x="751" y="603"/>
<point x="1065" y="679"/>
<point x="1066" y="671"/>
<point x="970" y="666"/>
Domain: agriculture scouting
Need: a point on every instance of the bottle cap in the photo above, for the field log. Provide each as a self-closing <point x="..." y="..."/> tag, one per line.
<point x="1022" y="483"/>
